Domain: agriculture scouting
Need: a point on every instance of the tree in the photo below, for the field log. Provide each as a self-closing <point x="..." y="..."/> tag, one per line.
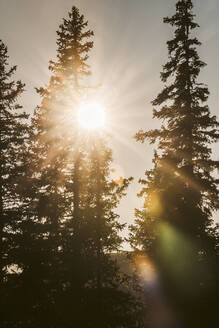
<point x="53" y="151"/>
<point x="13" y="134"/>
<point x="90" y="229"/>
<point x="70" y="228"/>
<point x="175" y="226"/>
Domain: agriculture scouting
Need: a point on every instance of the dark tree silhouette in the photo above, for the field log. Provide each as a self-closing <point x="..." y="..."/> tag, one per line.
<point x="175" y="226"/>
<point x="90" y="227"/>
<point x="13" y="133"/>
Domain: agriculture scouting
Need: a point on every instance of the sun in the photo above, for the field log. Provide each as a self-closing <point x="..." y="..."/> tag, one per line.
<point x="91" y="116"/>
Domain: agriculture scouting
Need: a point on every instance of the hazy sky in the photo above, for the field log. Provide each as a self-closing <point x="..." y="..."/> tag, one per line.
<point x="129" y="50"/>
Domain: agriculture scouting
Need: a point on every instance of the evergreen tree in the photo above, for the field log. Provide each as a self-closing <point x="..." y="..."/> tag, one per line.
<point x="90" y="232"/>
<point x="70" y="227"/>
<point x="53" y="151"/>
<point x="13" y="134"/>
<point x="175" y="226"/>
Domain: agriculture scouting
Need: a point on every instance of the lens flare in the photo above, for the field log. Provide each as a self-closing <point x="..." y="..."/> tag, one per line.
<point x="91" y="116"/>
<point x="146" y="269"/>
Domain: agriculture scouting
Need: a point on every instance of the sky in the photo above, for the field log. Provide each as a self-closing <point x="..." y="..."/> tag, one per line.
<point x="128" y="54"/>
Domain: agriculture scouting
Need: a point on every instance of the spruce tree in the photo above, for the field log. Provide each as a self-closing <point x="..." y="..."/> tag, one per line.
<point x="90" y="230"/>
<point x="68" y="236"/>
<point x="175" y="225"/>
<point x="53" y="155"/>
<point x="13" y="134"/>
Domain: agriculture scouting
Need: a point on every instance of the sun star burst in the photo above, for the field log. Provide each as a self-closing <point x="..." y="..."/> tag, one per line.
<point x="91" y="116"/>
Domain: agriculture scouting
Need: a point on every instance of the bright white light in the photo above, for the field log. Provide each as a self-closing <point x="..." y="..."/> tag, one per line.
<point x="91" y="116"/>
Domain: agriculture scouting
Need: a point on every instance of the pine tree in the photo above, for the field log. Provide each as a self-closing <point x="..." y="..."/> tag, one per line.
<point x="175" y="226"/>
<point x="90" y="232"/>
<point x="13" y="135"/>
<point x="67" y="236"/>
<point x="53" y="152"/>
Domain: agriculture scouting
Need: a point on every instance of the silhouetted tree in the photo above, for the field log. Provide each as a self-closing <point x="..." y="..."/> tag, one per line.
<point x="53" y="151"/>
<point x="13" y="133"/>
<point x="70" y="228"/>
<point x="90" y="231"/>
<point x="175" y="225"/>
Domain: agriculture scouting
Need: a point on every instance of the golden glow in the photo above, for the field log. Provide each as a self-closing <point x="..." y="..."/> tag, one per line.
<point x="154" y="204"/>
<point x="145" y="269"/>
<point x="117" y="174"/>
<point x="91" y="116"/>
